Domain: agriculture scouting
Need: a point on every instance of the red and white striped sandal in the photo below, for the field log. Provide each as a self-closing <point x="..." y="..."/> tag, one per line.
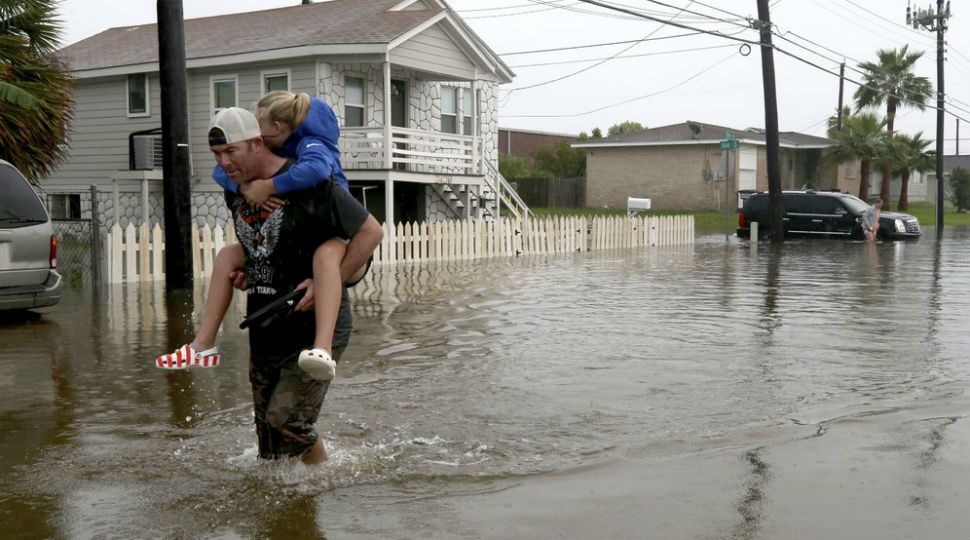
<point x="185" y="356"/>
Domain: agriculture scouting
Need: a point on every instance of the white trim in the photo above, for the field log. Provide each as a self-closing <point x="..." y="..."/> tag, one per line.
<point x="404" y="5"/>
<point x="691" y="142"/>
<point x="213" y="79"/>
<point x="288" y="54"/>
<point x="148" y="99"/>
<point x="264" y="74"/>
<point x="405" y="37"/>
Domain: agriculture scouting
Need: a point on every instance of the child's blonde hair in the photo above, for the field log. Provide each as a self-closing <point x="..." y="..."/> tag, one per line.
<point x="282" y="106"/>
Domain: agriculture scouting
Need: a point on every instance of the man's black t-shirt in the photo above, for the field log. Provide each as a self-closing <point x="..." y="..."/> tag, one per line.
<point x="279" y="249"/>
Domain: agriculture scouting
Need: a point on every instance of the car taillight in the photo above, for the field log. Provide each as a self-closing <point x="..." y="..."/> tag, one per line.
<point x="742" y="220"/>
<point x="53" y="260"/>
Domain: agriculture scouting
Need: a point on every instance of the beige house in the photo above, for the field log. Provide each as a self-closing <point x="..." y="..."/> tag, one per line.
<point x="682" y="166"/>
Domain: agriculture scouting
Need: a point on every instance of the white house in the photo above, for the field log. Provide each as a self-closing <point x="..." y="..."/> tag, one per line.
<point x="414" y="88"/>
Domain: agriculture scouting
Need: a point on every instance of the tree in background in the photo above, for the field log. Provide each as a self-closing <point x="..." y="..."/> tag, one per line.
<point x="559" y="161"/>
<point x="911" y="156"/>
<point x="624" y="127"/>
<point x="960" y="189"/>
<point x="35" y="90"/>
<point x="596" y="134"/>
<point x="833" y="122"/>
<point x="861" y="138"/>
<point x="513" y="167"/>
<point x="891" y="81"/>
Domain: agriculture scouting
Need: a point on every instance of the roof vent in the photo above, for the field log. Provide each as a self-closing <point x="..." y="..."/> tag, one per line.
<point x="694" y="127"/>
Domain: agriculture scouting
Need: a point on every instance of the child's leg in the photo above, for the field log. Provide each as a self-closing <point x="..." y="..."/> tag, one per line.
<point x="217" y="302"/>
<point x="327" y="289"/>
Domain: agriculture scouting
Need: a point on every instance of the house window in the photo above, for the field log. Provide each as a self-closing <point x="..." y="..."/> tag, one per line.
<point x="224" y="93"/>
<point x="276" y="81"/>
<point x="466" y="111"/>
<point x="138" y="94"/>
<point x="354" y="101"/>
<point x="449" y="110"/>
<point x="65" y="205"/>
<point x="850" y="169"/>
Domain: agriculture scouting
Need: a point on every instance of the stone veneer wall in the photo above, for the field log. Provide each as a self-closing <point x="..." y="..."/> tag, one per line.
<point x="424" y="111"/>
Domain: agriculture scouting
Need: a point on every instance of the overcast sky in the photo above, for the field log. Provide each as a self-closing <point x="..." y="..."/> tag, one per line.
<point x="661" y="82"/>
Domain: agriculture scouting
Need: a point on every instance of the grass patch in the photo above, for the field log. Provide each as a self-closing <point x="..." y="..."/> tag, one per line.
<point x="925" y="212"/>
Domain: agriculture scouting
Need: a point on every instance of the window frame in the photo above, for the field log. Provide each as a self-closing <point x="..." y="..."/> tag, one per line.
<point x="453" y="90"/>
<point x="212" y="91"/>
<point x="269" y="74"/>
<point x="348" y="104"/>
<point x="148" y="102"/>
<point x="67" y="206"/>
<point x="467" y="121"/>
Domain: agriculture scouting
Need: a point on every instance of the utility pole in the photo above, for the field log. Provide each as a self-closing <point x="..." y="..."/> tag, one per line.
<point x="775" y="202"/>
<point x="935" y="22"/>
<point x="841" y="89"/>
<point x="175" y="146"/>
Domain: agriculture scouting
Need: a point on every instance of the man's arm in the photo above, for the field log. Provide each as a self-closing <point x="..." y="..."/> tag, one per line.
<point x="361" y="246"/>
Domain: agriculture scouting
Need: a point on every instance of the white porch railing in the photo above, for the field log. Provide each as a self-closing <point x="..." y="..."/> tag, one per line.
<point x="412" y="150"/>
<point x="136" y="254"/>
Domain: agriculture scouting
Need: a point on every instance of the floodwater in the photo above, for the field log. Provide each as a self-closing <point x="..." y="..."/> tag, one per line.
<point x="713" y="391"/>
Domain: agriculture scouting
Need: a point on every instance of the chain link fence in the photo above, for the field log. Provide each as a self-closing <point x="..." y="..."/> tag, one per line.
<point x="80" y="240"/>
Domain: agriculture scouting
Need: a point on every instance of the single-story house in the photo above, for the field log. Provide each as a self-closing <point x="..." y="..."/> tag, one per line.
<point x="414" y="88"/>
<point x="683" y="167"/>
<point x="522" y="142"/>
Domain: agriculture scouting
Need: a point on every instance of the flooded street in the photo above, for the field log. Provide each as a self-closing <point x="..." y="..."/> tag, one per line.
<point x="710" y="391"/>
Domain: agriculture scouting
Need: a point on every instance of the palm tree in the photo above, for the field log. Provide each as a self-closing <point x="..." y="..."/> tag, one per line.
<point x="861" y="138"/>
<point x="833" y="121"/>
<point x="35" y="90"/>
<point x="912" y="157"/>
<point x="891" y="81"/>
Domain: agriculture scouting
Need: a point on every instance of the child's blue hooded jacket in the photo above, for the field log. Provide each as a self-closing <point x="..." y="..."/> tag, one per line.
<point x="313" y="144"/>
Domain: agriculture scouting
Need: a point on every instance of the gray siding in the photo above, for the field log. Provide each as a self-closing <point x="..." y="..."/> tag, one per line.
<point x="98" y="139"/>
<point x="433" y="51"/>
<point x="303" y="77"/>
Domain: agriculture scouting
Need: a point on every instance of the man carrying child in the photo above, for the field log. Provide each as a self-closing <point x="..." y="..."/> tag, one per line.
<point x="279" y="246"/>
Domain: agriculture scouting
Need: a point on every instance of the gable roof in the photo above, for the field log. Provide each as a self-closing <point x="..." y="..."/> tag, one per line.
<point x="331" y="27"/>
<point x="699" y="133"/>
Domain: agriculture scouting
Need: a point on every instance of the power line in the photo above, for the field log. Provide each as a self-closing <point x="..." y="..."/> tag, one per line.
<point x="592" y="45"/>
<point x="775" y="47"/>
<point x="587" y="68"/>
<point x="657" y="53"/>
<point x="624" y="102"/>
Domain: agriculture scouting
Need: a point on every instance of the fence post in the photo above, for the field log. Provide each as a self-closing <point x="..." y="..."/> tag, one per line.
<point x="95" y="238"/>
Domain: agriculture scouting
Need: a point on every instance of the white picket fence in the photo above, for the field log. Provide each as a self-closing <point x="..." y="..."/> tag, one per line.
<point x="137" y="254"/>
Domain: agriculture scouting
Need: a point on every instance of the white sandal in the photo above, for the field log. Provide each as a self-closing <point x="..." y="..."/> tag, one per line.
<point x="318" y="364"/>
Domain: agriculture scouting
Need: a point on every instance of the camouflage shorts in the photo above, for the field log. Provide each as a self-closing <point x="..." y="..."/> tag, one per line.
<point x="286" y="402"/>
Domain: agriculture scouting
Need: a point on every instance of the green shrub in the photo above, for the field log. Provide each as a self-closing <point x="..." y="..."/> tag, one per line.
<point x="960" y="189"/>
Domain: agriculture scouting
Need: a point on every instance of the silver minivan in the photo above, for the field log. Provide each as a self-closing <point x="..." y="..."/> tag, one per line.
<point x="28" y="246"/>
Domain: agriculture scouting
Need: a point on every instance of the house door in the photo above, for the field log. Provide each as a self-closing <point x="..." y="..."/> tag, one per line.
<point x="399" y="116"/>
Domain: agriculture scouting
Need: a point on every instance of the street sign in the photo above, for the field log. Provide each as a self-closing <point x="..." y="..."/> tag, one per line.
<point x="729" y="142"/>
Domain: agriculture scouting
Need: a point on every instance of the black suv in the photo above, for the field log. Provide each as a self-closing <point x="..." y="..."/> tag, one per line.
<point x="825" y="214"/>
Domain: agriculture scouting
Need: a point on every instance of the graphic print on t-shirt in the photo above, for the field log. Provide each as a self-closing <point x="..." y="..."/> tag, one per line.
<point x="258" y="231"/>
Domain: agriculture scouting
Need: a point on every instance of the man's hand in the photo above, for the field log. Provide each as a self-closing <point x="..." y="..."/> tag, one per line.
<point x="238" y="278"/>
<point x="258" y="192"/>
<point x="305" y="303"/>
